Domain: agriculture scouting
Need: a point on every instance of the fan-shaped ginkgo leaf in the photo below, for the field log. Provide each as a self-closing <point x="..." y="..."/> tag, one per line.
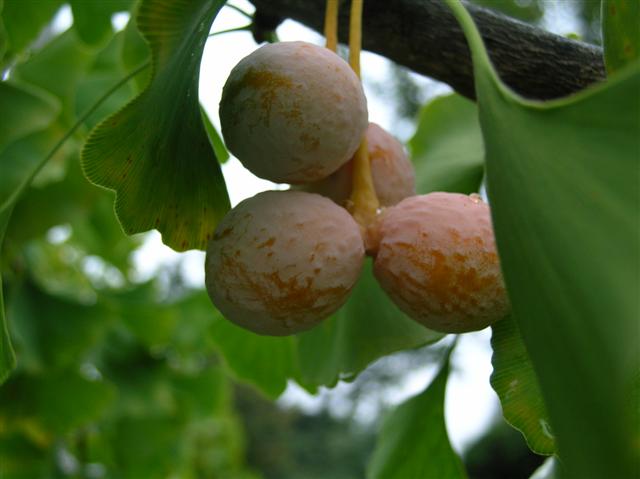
<point x="155" y="152"/>
<point x="562" y="179"/>
<point x="516" y="384"/>
<point x="620" y="32"/>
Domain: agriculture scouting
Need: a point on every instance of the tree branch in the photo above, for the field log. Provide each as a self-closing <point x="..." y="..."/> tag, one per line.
<point x="424" y="36"/>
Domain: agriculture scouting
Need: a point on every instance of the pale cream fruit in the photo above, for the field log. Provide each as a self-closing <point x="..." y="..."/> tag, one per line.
<point x="282" y="261"/>
<point x="393" y="174"/>
<point x="435" y="256"/>
<point x="293" y="112"/>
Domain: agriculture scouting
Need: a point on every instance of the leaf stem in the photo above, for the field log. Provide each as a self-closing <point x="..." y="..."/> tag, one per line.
<point x="246" y="28"/>
<point x="25" y="184"/>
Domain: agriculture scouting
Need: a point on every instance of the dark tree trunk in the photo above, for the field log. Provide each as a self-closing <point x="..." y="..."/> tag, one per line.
<point x="424" y="36"/>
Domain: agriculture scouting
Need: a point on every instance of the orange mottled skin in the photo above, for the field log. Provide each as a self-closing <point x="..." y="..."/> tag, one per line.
<point x="293" y="112"/>
<point x="282" y="261"/>
<point x="435" y="256"/>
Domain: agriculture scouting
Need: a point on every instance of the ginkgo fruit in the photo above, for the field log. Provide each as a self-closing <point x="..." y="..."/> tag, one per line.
<point x="293" y="112"/>
<point x="282" y="261"/>
<point x="393" y="174"/>
<point x="435" y="256"/>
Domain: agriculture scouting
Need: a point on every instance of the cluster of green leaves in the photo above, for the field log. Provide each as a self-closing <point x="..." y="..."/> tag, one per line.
<point x="118" y="375"/>
<point x="107" y="381"/>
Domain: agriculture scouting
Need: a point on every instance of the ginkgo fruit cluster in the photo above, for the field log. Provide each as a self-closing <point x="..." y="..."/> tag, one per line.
<point x="281" y="262"/>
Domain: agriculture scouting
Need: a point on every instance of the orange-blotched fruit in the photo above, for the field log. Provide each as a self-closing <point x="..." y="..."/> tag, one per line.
<point x="293" y="112"/>
<point x="394" y="177"/>
<point x="435" y="256"/>
<point x="282" y="261"/>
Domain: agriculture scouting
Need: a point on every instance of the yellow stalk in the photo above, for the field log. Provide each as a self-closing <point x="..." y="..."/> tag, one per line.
<point x="355" y="35"/>
<point x="364" y="202"/>
<point x="331" y="25"/>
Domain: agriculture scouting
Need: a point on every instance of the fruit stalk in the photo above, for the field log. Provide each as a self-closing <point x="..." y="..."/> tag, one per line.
<point x="364" y="202"/>
<point x="331" y="25"/>
<point x="355" y="35"/>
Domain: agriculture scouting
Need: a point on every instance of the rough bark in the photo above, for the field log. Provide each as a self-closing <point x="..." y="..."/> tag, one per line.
<point x="424" y="36"/>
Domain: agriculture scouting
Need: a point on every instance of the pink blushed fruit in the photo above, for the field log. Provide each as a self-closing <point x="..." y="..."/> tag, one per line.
<point x="293" y="112"/>
<point x="282" y="261"/>
<point x="435" y="256"/>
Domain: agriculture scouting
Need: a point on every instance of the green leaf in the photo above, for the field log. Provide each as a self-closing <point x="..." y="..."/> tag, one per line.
<point x="54" y="403"/>
<point x="98" y="232"/>
<point x="152" y="323"/>
<point x="191" y="344"/>
<point x="267" y="362"/>
<point x="21" y="159"/>
<point x="366" y="328"/>
<point x="620" y="32"/>
<point x="66" y="400"/>
<point x="21" y="458"/>
<point x="104" y="71"/>
<point x="70" y="200"/>
<point x="24" y="109"/>
<point x="57" y="68"/>
<point x="563" y="184"/>
<point x="214" y="137"/>
<point x="413" y="441"/>
<point x="447" y="149"/>
<point x="516" y="384"/>
<point x="52" y="332"/>
<point x="148" y="447"/>
<point x="92" y="18"/>
<point x="202" y="393"/>
<point x="24" y="20"/>
<point x="135" y="52"/>
<point x="7" y="355"/>
<point x="4" y="46"/>
<point x="159" y="325"/>
<point x="155" y="152"/>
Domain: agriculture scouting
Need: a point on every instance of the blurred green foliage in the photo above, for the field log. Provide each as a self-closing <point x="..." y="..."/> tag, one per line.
<point x="289" y="444"/>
